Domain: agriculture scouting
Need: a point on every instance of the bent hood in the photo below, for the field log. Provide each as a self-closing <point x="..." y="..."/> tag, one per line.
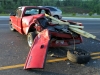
<point x="28" y="19"/>
<point x="37" y="55"/>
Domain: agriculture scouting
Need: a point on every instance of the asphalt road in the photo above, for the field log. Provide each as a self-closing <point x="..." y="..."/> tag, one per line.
<point x="14" y="50"/>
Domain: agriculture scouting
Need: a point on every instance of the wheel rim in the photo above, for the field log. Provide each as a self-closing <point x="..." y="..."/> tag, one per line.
<point x="11" y="27"/>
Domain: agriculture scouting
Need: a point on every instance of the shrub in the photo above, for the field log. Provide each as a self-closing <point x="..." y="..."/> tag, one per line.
<point x="73" y="14"/>
<point x="90" y="13"/>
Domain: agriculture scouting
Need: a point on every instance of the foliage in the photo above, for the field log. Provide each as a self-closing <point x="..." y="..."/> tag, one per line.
<point x="91" y="5"/>
<point x="1" y="10"/>
<point x="90" y="13"/>
<point x="73" y="14"/>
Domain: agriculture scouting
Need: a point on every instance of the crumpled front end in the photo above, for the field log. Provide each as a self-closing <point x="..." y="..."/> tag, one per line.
<point x="27" y="21"/>
<point x="61" y="35"/>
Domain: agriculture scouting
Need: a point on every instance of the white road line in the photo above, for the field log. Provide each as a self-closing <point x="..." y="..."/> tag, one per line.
<point x="4" y="24"/>
<point x="62" y="17"/>
<point x="94" y="32"/>
<point x="78" y="18"/>
<point x="91" y="23"/>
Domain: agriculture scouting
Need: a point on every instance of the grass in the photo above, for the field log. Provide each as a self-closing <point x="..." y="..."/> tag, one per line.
<point x="84" y="16"/>
<point x="4" y="14"/>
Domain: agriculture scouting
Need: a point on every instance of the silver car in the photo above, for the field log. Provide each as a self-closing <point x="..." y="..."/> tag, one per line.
<point x="55" y="12"/>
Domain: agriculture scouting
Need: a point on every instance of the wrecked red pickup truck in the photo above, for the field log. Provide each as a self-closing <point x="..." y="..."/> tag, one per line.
<point x="31" y="20"/>
<point x="44" y="31"/>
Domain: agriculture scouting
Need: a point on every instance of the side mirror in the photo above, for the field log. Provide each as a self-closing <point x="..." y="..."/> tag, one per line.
<point x="12" y="14"/>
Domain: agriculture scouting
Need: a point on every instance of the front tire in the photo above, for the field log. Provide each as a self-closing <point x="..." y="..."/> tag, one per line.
<point x="30" y="38"/>
<point x="78" y="56"/>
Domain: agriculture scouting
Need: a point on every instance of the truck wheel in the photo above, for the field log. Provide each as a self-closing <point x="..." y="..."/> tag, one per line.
<point x="11" y="27"/>
<point x="78" y="56"/>
<point x="30" y="38"/>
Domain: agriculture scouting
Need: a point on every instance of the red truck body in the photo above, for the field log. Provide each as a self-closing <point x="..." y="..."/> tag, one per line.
<point x="31" y="19"/>
<point x="41" y="32"/>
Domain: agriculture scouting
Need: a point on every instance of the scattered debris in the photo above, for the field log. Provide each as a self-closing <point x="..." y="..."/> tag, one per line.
<point x="92" y="42"/>
<point x="94" y="62"/>
<point x="82" y="64"/>
<point x="52" y="55"/>
<point x="68" y="63"/>
<point x="12" y="42"/>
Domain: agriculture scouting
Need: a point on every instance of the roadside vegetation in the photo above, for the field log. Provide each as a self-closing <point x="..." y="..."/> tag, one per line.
<point x="70" y="8"/>
<point x="69" y="15"/>
<point x="81" y="15"/>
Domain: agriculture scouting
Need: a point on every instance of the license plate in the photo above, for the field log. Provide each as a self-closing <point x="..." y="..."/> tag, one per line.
<point x="60" y="41"/>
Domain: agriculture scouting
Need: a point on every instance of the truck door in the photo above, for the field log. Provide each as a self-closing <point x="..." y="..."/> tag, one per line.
<point x="19" y="21"/>
<point x="14" y="21"/>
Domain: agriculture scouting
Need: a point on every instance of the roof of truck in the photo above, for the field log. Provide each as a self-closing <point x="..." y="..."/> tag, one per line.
<point x="23" y="7"/>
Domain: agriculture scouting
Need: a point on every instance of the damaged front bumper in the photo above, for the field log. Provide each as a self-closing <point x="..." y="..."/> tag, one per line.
<point x="37" y="55"/>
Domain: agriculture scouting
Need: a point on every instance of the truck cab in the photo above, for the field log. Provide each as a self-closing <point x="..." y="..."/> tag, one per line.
<point x="18" y="19"/>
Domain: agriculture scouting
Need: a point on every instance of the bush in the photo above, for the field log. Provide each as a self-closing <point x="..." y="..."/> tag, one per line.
<point x="90" y="13"/>
<point x="73" y="14"/>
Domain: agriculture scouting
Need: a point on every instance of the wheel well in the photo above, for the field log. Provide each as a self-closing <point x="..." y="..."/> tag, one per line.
<point x="31" y="28"/>
<point x="56" y="15"/>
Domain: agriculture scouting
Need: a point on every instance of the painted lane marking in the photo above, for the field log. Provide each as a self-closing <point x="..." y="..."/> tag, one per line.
<point x="22" y="65"/>
<point x="48" y="61"/>
<point x="11" y="67"/>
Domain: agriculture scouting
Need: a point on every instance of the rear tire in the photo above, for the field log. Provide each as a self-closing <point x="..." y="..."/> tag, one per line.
<point x="78" y="56"/>
<point x="11" y="26"/>
<point x="30" y="38"/>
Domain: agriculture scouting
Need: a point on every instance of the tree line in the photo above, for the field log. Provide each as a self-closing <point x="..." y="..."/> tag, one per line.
<point x="90" y="5"/>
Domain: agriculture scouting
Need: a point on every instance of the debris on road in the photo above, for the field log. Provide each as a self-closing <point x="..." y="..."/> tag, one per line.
<point x="94" y="62"/>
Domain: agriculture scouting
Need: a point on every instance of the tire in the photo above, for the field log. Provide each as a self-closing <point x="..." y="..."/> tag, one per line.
<point x="57" y="17"/>
<point x="78" y="56"/>
<point x="30" y="38"/>
<point x="11" y="26"/>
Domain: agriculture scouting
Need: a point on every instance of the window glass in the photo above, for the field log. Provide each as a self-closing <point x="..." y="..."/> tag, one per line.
<point x="32" y="11"/>
<point x="52" y="9"/>
<point x="18" y="13"/>
<point x="42" y="11"/>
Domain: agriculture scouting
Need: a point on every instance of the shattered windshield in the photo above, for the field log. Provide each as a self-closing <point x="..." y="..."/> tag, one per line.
<point x="35" y="11"/>
<point x="32" y="11"/>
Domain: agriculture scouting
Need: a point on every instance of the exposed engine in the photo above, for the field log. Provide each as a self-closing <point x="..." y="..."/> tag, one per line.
<point x="55" y="27"/>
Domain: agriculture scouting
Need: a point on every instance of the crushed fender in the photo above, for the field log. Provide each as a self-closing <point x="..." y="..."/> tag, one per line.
<point x="37" y="55"/>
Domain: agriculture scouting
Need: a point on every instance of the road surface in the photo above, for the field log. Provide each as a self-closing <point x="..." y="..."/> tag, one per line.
<point x="14" y="50"/>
